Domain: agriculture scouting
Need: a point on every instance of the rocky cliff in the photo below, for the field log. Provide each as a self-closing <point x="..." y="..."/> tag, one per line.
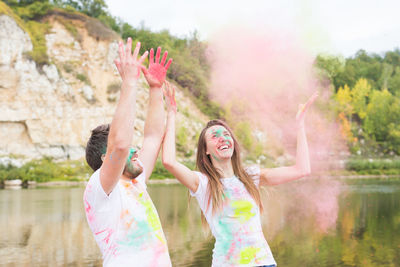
<point x="49" y="110"/>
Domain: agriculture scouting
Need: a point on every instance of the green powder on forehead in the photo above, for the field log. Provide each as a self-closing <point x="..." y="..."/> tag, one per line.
<point x="220" y="132"/>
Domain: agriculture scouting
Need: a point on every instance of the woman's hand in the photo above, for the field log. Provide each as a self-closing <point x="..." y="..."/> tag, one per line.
<point x="303" y="109"/>
<point x="169" y="94"/>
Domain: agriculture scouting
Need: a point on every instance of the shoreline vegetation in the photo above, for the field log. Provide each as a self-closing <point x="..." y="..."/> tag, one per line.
<point x="47" y="172"/>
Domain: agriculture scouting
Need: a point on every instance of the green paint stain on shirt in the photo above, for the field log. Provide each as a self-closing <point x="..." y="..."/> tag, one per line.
<point x="248" y="254"/>
<point x="151" y="215"/>
<point x="226" y="242"/>
<point x="137" y="236"/>
<point x="242" y="210"/>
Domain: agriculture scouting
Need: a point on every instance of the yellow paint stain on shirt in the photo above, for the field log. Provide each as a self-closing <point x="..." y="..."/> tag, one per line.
<point x="242" y="210"/>
<point x="248" y="254"/>
<point x="161" y="238"/>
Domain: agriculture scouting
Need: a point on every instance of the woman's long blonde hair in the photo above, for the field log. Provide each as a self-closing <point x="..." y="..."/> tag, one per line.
<point x="204" y="164"/>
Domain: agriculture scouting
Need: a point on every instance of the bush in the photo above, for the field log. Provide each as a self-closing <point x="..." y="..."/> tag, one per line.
<point x="33" y="11"/>
<point x="45" y="170"/>
<point x="374" y="166"/>
<point x="160" y="172"/>
<point x="181" y="138"/>
<point x="112" y="88"/>
<point x="83" y="78"/>
<point x="70" y="27"/>
<point x="243" y="133"/>
<point x="68" y="67"/>
<point x="99" y="31"/>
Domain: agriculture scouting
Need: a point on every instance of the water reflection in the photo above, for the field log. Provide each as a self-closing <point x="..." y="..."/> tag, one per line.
<point x="47" y="226"/>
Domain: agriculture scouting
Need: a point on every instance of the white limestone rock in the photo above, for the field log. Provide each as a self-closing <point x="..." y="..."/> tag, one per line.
<point x="13" y="41"/>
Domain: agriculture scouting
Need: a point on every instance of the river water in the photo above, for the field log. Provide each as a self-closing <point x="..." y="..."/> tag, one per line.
<point x="353" y="223"/>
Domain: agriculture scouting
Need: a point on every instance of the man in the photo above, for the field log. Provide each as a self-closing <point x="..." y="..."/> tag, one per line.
<point x="118" y="208"/>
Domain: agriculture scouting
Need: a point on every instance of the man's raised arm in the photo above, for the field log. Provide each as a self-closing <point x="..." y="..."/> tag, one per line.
<point x="121" y="129"/>
<point x="155" y="119"/>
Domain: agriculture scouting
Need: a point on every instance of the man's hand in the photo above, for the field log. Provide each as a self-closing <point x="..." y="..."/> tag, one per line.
<point x="128" y="65"/>
<point x="303" y="109"/>
<point x="157" y="71"/>
<point x="169" y="93"/>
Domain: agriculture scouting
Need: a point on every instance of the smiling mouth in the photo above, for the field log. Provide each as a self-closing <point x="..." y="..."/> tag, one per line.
<point x="224" y="147"/>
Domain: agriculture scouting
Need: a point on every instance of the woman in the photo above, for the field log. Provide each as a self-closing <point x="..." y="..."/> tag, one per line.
<point x="228" y="194"/>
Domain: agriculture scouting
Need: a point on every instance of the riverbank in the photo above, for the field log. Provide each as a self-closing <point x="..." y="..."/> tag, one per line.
<point x="19" y="183"/>
<point x="175" y="181"/>
<point x="47" y="173"/>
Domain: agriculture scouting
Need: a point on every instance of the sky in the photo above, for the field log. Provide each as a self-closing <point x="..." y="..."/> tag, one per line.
<point x="339" y="27"/>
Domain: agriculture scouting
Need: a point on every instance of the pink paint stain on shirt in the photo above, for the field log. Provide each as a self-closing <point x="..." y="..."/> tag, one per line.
<point x="108" y="232"/>
<point x="159" y="252"/>
<point x="89" y="211"/>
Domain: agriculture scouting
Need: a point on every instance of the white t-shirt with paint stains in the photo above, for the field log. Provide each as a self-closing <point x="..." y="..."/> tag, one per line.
<point x="237" y="227"/>
<point x="125" y="224"/>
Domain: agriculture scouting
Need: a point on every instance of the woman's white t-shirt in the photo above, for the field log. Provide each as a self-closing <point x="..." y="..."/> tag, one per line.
<point x="237" y="226"/>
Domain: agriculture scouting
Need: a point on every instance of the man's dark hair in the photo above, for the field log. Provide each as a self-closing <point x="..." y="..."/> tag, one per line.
<point x="97" y="146"/>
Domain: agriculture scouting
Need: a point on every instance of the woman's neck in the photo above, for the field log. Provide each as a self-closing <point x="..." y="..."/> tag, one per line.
<point x="225" y="166"/>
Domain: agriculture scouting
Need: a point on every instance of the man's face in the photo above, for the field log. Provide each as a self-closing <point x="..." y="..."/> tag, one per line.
<point x="132" y="167"/>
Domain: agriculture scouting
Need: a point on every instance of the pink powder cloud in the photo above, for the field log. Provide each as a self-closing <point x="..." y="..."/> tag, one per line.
<point x="262" y="78"/>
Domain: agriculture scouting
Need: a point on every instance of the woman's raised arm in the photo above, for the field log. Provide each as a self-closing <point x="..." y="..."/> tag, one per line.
<point x="185" y="176"/>
<point x="280" y="175"/>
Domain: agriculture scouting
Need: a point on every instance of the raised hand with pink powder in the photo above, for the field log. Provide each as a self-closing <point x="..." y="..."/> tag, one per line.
<point x="157" y="71"/>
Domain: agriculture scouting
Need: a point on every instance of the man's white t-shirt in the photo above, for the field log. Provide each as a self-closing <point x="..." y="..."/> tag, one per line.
<point x="237" y="226"/>
<point x="125" y="223"/>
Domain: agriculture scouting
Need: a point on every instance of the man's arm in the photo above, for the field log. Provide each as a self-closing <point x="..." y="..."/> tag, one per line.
<point x="302" y="167"/>
<point x="155" y="119"/>
<point x="121" y="129"/>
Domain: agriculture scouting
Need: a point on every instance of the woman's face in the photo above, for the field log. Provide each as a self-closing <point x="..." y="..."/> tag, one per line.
<point x="219" y="143"/>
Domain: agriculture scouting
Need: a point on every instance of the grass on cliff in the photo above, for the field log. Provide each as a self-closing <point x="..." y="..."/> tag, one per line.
<point x="24" y="17"/>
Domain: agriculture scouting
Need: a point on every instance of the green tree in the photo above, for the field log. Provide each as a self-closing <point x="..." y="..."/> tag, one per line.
<point x="393" y="83"/>
<point x="344" y="99"/>
<point x="330" y="65"/>
<point x="360" y="93"/>
<point x="378" y="115"/>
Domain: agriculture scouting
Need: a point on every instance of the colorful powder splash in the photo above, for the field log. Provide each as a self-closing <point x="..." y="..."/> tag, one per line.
<point x="262" y="78"/>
